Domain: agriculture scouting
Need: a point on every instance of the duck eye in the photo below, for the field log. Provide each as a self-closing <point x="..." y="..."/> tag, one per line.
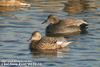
<point x="55" y="20"/>
<point x="39" y="36"/>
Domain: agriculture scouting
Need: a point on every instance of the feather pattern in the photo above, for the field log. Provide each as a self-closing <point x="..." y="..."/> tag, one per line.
<point x="69" y="25"/>
<point x="51" y="43"/>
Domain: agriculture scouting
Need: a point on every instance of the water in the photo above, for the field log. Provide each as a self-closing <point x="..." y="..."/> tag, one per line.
<point x="16" y="28"/>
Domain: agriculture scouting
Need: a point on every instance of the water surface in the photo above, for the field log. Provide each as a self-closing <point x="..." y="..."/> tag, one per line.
<point x="16" y="28"/>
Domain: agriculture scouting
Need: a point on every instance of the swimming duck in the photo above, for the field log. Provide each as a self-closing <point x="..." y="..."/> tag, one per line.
<point x="66" y="26"/>
<point x="13" y="3"/>
<point x="79" y="6"/>
<point x="73" y="7"/>
<point x="47" y="43"/>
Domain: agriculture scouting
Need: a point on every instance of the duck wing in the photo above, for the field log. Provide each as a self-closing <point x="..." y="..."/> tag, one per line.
<point x="72" y="22"/>
<point x="52" y="43"/>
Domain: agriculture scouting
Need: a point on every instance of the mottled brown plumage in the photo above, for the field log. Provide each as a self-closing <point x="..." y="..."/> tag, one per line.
<point x="47" y="43"/>
<point x="13" y="3"/>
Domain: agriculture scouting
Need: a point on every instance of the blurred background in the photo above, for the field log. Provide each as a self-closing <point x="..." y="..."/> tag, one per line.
<point x="19" y="18"/>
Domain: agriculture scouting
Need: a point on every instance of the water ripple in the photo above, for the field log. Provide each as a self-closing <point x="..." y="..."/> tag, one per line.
<point x="16" y="28"/>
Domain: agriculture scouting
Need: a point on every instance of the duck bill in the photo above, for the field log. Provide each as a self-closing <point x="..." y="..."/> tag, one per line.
<point x="30" y="39"/>
<point x="45" y="21"/>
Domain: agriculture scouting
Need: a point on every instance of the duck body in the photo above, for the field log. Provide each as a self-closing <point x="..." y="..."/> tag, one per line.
<point x="61" y="28"/>
<point x="12" y="3"/>
<point x="66" y="26"/>
<point x="49" y="43"/>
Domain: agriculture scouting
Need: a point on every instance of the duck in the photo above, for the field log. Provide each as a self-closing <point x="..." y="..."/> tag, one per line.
<point x="41" y="43"/>
<point x="13" y="3"/>
<point x="64" y="26"/>
<point x="73" y="7"/>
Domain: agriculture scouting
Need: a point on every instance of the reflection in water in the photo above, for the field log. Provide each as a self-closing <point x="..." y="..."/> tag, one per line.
<point x="47" y="53"/>
<point x="4" y="14"/>
<point x="78" y="6"/>
<point x="5" y="9"/>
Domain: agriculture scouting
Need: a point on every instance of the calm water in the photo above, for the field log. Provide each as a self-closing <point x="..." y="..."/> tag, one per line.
<point x="16" y="28"/>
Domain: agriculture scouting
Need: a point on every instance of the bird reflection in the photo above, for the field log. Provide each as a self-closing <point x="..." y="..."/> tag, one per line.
<point x="79" y="6"/>
<point x="50" y="53"/>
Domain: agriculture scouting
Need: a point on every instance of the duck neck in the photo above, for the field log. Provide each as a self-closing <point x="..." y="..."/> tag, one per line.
<point x="58" y="21"/>
<point x="35" y="41"/>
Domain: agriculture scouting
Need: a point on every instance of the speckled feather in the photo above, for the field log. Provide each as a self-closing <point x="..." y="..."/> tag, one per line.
<point x="48" y="43"/>
<point x="69" y="25"/>
<point x="62" y="28"/>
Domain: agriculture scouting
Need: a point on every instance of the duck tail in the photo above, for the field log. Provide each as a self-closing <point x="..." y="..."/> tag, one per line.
<point x="25" y="4"/>
<point x="66" y="44"/>
<point x="83" y="26"/>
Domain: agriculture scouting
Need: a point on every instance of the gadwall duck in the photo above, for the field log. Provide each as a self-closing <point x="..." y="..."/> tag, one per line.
<point x="66" y="26"/>
<point x="79" y="6"/>
<point x="73" y="7"/>
<point x="13" y="3"/>
<point x="47" y="43"/>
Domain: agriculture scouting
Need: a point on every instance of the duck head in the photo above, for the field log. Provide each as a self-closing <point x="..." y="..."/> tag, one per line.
<point x="36" y="36"/>
<point x="52" y="19"/>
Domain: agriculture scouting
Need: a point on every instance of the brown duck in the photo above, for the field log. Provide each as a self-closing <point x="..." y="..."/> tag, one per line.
<point x="47" y="43"/>
<point x="66" y="26"/>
